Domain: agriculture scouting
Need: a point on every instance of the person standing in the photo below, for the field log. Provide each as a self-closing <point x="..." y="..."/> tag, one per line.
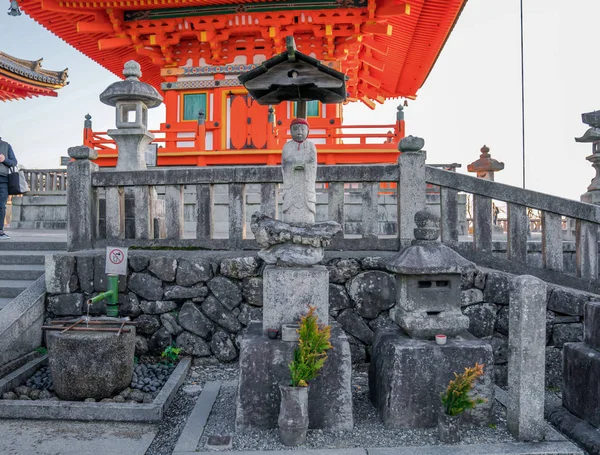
<point x="7" y="160"/>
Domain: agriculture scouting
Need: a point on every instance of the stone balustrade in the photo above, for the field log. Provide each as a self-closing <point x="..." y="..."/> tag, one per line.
<point x="410" y="176"/>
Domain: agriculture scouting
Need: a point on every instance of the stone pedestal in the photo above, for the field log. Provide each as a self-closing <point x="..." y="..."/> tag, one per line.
<point x="289" y="291"/>
<point x="407" y="377"/>
<point x="581" y="370"/>
<point x="264" y="365"/>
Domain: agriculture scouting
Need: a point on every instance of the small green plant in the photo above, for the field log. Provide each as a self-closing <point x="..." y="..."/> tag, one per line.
<point x="41" y="350"/>
<point x="456" y="398"/>
<point x="492" y="426"/>
<point x="311" y="353"/>
<point x="136" y="360"/>
<point x="171" y="353"/>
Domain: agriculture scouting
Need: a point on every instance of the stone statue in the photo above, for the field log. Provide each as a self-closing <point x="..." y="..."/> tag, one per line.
<point x="299" y="166"/>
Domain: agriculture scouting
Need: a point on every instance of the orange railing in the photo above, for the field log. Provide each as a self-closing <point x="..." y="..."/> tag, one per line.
<point x="185" y="144"/>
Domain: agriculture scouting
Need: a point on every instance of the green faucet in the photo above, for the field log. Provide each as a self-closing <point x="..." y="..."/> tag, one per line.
<point x="111" y="296"/>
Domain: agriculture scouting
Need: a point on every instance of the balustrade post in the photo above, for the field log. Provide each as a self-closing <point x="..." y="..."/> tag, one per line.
<point x="482" y="223"/>
<point x="87" y="131"/>
<point x="204" y="217"/>
<point x="411" y="186"/>
<point x="587" y="249"/>
<point x="237" y="214"/>
<point x="200" y="143"/>
<point x="552" y="249"/>
<point x="370" y="216"/>
<point x="335" y="205"/>
<point x="268" y="199"/>
<point x="518" y="230"/>
<point x="449" y="215"/>
<point x="82" y="200"/>
<point x="174" y="221"/>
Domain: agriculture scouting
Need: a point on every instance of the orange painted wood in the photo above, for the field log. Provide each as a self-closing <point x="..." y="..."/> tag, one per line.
<point x="239" y="122"/>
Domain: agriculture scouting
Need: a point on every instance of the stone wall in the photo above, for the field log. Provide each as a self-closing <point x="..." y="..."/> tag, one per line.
<point x="202" y="301"/>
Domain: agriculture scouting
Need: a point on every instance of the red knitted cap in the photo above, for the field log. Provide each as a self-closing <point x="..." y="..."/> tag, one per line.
<point x="299" y="121"/>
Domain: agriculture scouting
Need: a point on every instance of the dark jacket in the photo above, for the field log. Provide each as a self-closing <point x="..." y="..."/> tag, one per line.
<point x="9" y="155"/>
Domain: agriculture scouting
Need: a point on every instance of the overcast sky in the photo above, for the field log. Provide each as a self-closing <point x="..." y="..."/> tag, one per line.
<point x="472" y="96"/>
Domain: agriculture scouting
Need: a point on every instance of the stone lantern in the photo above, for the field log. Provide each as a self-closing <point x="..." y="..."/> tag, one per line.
<point x="428" y="280"/>
<point x="486" y="166"/>
<point x="132" y="99"/>
<point x="408" y="369"/>
<point x="592" y="135"/>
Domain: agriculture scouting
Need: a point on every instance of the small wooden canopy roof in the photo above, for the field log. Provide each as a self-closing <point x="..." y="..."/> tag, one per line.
<point x="25" y="79"/>
<point x="293" y="76"/>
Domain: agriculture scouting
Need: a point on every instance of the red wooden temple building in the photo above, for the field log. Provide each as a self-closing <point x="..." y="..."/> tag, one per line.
<point x="21" y="79"/>
<point x="193" y="50"/>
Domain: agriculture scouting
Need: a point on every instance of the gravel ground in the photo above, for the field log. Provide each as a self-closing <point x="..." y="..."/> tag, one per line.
<point x="368" y="429"/>
<point x="172" y="425"/>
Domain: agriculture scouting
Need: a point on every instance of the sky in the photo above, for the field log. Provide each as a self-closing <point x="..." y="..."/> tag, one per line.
<point x="472" y="96"/>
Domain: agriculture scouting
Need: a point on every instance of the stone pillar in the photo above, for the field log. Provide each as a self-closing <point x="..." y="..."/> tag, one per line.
<point x="82" y="213"/>
<point x="526" y="358"/>
<point x="411" y="186"/>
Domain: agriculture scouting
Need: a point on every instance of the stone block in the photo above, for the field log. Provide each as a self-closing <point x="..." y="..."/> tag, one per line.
<point x="581" y="382"/>
<point x="372" y="292"/>
<point x="497" y="287"/>
<point x="289" y="291"/>
<point x="66" y="304"/>
<point x="264" y="365"/>
<point x="591" y="326"/>
<point x="407" y="376"/>
<point x="482" y="319"/>
<point x="59" y="269"/>
<point x="568" y="301"/>
<point x="566" y="333"/>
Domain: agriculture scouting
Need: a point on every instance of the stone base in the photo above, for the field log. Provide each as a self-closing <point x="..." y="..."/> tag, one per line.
<point x="264" y="365"/>
<point x="426" y="327"/>
<point x="581" y="382"/>
<point x="289" y="291"/>
<point x="407" y="376"/>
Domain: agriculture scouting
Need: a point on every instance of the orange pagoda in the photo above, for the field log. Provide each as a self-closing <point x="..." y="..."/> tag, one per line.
<point x="21" y="79"/>
<point x="193" y="51"/>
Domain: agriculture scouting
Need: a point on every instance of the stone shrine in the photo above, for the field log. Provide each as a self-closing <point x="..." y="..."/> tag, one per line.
<point x="581" y="370"/>
<point x="292" y="281"/>
<point x="408" y="370"/>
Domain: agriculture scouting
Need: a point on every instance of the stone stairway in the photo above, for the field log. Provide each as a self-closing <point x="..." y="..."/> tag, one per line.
<point x="21" y="263"/>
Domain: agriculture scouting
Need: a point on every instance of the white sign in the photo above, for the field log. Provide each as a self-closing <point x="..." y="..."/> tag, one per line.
<point x="116" y="260"/>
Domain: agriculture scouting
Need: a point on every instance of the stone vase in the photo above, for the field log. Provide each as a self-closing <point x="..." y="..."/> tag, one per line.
<point x="293" y="415"/>
<point x="449" y="427"/>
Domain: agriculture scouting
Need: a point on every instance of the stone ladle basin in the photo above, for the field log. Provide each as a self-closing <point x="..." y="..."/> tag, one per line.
<point x="90" y="364"/>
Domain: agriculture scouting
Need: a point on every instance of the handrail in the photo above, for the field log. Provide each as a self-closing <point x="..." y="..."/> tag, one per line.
<point x="239" y="174"/>
<point x="515" y="195"/>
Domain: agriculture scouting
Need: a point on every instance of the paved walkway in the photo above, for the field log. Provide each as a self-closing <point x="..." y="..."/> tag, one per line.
<point x="36" y="235"/>
<point x="39" y="437"/>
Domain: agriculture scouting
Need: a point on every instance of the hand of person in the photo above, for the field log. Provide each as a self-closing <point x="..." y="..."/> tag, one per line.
<point x="2" y="158"/>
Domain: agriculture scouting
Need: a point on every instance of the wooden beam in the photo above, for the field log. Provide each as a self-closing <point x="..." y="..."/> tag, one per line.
<point x="392" y="8"/>
<point x="375" y="28"/>
<point x="112" y="43"/>
<point x="375" y="46"/>
<point x="94" y="27"/>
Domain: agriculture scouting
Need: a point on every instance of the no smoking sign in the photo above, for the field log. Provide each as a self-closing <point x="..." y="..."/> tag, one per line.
<point x="116" y="260"/>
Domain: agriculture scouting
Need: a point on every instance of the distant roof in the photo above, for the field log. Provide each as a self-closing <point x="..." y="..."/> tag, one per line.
<point x="25" y="78"/>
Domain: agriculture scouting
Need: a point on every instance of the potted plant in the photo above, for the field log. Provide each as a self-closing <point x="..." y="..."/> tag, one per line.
<point x="456" y="400"/>
<point x="309" y="358"/>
